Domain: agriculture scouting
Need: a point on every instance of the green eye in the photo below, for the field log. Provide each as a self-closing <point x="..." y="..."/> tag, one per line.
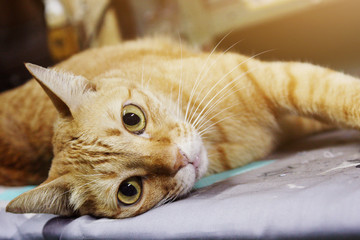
<point x="133" y="119"/>
<point x="130" y="191"/>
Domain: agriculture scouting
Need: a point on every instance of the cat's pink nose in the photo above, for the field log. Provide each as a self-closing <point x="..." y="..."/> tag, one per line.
<point x="181" y="160"/>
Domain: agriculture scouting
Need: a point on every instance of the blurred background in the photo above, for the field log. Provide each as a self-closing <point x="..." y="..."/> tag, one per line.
<point x="44" y="32"/>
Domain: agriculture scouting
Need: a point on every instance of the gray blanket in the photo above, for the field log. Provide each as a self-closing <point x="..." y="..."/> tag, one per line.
<point x="312" y="190"/>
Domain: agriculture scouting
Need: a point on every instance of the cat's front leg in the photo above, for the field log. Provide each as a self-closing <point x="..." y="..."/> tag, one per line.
<point x="311" y="91"/>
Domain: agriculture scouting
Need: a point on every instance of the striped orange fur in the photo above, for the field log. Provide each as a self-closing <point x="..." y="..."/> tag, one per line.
<point x="203" y="113"/>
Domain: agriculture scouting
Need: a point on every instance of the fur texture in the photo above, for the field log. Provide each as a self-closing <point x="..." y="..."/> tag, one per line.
<point x="204" y="112"/>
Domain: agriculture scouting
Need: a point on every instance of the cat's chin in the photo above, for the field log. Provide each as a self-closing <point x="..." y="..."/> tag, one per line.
<point x="200" y="163"/>
<point x="192" y="172"/>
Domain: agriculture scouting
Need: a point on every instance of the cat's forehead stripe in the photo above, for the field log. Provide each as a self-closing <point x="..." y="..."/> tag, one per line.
<point x="84" y="162"/>
<point x="113" y="132"/>
<point x="150" y="165"/>
<point x="104" y="145"/>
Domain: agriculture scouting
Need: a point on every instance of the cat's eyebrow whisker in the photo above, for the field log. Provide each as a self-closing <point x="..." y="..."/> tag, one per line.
<point x="200" y="73"/>
<point x="171" y="102"/>
<point x="142" y="74"/>
<point x="205" y="74"/>
<point x="150" y="75"/>
<point x="148" y="82"/>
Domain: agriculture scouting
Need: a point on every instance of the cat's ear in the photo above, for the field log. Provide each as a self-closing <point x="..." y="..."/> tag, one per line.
<point x="65" y="90"/>
<point x="50" y="197"/>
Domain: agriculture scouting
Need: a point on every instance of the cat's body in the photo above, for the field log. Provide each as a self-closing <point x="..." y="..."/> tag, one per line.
<point x="202" y="113"/>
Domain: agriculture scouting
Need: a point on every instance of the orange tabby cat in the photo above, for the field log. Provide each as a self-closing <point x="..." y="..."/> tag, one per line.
<point x="141" y="122"/>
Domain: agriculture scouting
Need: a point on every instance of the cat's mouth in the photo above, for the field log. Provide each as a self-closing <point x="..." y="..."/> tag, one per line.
<point x="197" y="160"/>
<point x="197" y="164"/>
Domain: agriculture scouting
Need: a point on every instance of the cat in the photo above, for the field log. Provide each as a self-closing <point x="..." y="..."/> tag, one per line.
<point x="136" y="125"/>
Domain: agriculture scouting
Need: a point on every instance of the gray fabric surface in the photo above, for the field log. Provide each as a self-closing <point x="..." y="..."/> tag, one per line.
<point x="312" y="190"/>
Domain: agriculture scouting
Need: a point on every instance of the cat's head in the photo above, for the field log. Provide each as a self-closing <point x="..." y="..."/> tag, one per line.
<point x="119" y="150"/>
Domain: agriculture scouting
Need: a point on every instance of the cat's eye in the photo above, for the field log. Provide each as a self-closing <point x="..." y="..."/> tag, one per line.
<point x="133" y="119"/>
<point x="130" y="191"/>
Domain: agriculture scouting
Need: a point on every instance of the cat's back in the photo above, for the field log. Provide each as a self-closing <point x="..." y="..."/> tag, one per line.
<point x="26" y="120"/>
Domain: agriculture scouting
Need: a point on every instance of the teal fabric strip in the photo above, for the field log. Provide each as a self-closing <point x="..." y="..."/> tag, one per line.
<point x="207" y="181"/>
<point x="10" y="194"/>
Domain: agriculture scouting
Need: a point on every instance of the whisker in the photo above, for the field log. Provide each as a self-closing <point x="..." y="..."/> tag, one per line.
<point x="214" y="116"/>
<point x="213" y="87"/>
<point x="180" y="82"/>
<point x="222" y="98"/>
<point x="212" y="108"/>
<point x="217" y="94"/>
<point x="162" y="201"/>
<point x="222" y="79"/>
<point x="209" y="131"/>
<point x="198" y="76"/>
<point x="223" y="119"/>
<point x="169" y="197"/>
<point x="207" y="71"/>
